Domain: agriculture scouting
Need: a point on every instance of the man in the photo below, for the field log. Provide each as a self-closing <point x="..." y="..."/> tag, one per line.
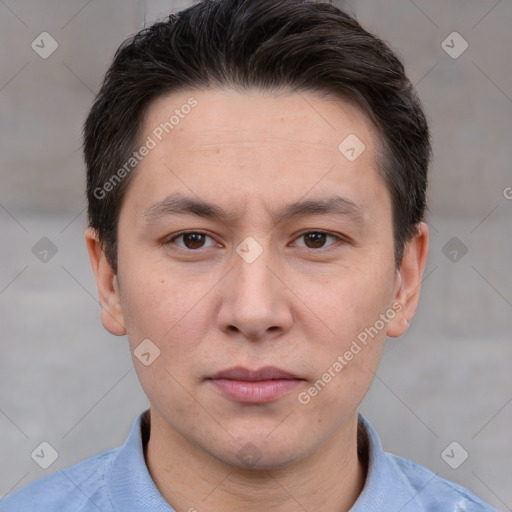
<point x="256" y="177"/>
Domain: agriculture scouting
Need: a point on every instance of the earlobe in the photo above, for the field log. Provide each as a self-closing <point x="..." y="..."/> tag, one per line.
<point x="408" y="282"/>
<point x="106" y="281"/>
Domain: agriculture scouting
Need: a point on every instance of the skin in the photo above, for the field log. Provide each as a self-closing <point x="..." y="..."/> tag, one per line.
<point x="298" y="306"/>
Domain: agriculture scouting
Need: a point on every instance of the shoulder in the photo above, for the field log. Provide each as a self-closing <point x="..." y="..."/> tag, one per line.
<point x="410" y="486"/>
<point x="80" y="488"/>
<point x="431" y="492"/>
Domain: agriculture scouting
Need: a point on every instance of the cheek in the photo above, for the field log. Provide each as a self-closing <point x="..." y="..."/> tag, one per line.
<point x="153" y="298"/>
<point x="174" y="319"/>
<point x="349" y="302"/>
<point x="344" y="363"/>
<point x="347" y="332"/>
<point x="172" y="313"/>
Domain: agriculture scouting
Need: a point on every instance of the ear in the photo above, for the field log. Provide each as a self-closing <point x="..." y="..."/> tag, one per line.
<point x="408" y="284"/>
<point x="106" y="280"/>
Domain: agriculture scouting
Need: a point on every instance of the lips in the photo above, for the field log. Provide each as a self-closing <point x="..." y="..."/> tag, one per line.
<point x="254" y="386"/>
<point x="266" y="373"/>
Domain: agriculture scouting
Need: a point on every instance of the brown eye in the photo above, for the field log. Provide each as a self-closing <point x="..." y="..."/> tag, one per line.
<point x="192" y="240"/>
<point x="316" y="239"/>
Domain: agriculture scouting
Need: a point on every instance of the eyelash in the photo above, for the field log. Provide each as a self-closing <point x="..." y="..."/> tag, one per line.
<point x="338" y="238"/>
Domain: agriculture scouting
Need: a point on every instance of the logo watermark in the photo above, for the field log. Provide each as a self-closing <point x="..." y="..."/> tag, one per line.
<point x="150" y="143"/>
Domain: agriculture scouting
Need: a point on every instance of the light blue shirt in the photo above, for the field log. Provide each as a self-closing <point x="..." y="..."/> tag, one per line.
<point x="118" y="480"/>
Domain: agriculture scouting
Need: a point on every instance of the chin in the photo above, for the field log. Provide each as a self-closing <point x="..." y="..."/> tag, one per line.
<point x="259" y="452"/>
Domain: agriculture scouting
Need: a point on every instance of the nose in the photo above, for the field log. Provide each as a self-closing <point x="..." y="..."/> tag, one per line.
<point x="255" y="298"/>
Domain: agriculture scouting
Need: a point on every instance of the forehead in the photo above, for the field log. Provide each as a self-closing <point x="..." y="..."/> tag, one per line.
<point x="254" y="144"/>
<point x="311" y="118"/>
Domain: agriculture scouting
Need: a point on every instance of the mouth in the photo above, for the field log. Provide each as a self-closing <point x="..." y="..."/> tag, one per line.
<point x="254" y="386"/>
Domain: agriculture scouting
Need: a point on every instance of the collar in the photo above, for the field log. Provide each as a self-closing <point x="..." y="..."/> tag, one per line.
<point x="129" y="483"/>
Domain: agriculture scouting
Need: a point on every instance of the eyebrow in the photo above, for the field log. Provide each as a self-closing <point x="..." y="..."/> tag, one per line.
<point x="176" y="204"/>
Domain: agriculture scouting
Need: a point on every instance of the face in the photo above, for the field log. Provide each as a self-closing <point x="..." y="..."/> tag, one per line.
<point x="255" y="281"/>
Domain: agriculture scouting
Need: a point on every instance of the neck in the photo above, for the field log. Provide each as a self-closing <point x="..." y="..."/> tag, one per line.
<point x="190" y="479"/>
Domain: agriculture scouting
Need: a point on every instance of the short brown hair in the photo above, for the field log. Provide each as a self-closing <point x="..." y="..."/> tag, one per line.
<point x="302" y="45"/>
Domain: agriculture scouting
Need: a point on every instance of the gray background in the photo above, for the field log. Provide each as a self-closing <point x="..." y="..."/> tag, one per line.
<point x="68" y="382"/>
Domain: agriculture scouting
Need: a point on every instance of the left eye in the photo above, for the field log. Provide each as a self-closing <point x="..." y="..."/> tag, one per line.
<point x="316" y="239"/>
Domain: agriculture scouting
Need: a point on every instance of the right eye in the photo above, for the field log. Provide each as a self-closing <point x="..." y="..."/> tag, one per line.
<point x="192" y="240"/>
